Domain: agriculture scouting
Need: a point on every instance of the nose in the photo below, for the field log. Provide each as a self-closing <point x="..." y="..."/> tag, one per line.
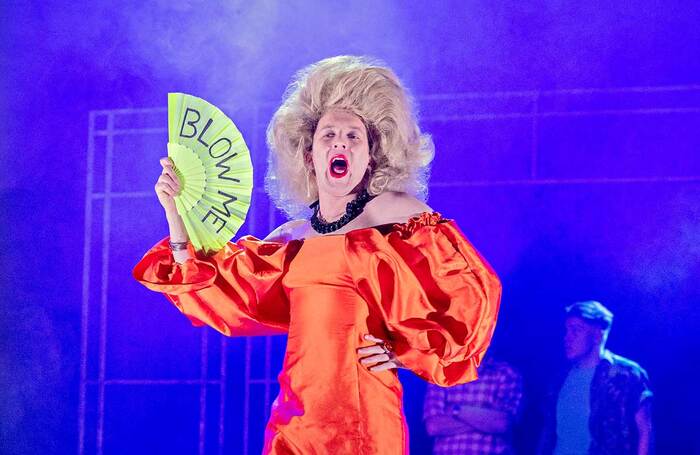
<point x="339" y="144"/>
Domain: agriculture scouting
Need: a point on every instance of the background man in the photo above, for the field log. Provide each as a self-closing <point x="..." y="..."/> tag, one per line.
<point x="475" y="418"/>
<point x="602" y="404"/>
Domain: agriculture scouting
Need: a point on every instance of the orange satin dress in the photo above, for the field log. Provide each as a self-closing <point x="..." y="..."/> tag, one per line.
<point x="420" y="285"/>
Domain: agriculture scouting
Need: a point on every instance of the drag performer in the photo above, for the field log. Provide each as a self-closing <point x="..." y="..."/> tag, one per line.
<point x="372" y="281"/>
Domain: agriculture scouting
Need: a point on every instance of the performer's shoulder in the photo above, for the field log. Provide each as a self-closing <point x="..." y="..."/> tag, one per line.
<point x="398" y="206"/>
<point x="291" y="230"/>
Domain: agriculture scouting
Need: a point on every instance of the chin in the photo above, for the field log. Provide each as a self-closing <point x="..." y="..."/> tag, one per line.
<point x="335" y="192"/>
<point x="338" y="187"/>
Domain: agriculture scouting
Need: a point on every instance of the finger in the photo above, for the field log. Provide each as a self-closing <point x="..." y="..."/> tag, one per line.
<point x="375" y="359"/>
<point x="169" y="171"/>
<point x="166" y="178"/>
<point x="373" y="338"/>
<point x="383" y="366"/>
<point x="161" y="192"/>
<point x="164" y="188"/>
<point x="166" y="162"/>
<point x="166" y="183"/>
<point x="371" y="350"/>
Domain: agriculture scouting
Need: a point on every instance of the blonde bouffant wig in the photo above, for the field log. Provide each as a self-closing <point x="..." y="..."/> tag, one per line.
<point x="399" y="153"/>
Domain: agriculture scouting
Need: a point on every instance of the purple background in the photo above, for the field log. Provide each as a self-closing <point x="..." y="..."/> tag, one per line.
<point x="568" y="140"/>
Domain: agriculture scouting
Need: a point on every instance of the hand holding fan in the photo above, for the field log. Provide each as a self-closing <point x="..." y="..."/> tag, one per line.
<point x="213" y="164"/>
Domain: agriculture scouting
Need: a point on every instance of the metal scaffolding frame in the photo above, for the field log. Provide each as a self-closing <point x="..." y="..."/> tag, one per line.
<point x="533" y="105"/>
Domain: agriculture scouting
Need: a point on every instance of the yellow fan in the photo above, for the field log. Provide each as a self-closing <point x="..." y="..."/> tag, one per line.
<point x="213" y="164"/>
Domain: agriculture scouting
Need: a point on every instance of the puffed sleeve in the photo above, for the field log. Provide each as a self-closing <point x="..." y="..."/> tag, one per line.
<point x="437" y="297"/>
<point x="237" y="291"/>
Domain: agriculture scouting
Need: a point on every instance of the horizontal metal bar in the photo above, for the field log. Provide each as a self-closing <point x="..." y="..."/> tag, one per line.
<point x="471" y="117"/>
<point x="262" y="381"/>
<point x="467" y="183"/>
<point x="583" y="181"/>
<point x="529" y="115"/>
<point x="158" y="382"/>
<point x="143" y="194"/>
<point x="130" y="131"/>
<point x="574" y="91"/>
<point x="466" y="95"/>
<point x="130" y="110"/>
<point x="124" y="195"/>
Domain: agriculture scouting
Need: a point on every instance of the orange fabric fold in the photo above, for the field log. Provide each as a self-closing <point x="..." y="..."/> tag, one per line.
<point x="419" y="284"/>
<point x="438" y="297"/>
<point x="238" y="291"/>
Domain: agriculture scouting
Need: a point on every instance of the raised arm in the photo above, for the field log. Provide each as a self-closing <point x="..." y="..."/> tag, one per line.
<point x="237" y="291"/>
<point x="167" y="187"/>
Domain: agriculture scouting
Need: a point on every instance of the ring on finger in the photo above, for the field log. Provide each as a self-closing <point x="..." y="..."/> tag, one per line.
<point x="386" y="347"/>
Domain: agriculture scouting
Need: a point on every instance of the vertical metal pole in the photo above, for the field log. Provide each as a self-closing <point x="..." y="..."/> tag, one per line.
<point x="203" y="372"/>
<point x="106" y="220"/>
<point x="222" y="395"/>
<point x="85" y="308"/>
<point x="535" y="136"/>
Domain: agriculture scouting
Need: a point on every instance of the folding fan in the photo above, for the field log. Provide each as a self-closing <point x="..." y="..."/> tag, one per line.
<point x="213" y="164"/>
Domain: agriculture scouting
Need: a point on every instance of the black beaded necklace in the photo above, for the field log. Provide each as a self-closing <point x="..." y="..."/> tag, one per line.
<point x="352" y="210"/>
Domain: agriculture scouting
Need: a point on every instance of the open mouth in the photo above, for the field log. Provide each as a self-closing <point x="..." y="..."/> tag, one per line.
<point x="338" y="166"/>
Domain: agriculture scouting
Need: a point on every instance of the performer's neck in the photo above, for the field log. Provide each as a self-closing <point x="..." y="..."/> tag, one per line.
<point x="333" y="207"/>
<point x="591" y="359"/>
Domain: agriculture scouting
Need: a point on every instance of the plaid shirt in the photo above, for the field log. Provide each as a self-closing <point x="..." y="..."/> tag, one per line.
<point x="499" y="387"/>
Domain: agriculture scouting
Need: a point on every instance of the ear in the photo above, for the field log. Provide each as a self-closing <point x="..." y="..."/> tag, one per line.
<point x="598" y="336"/>
<point x="309" y="160"/>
